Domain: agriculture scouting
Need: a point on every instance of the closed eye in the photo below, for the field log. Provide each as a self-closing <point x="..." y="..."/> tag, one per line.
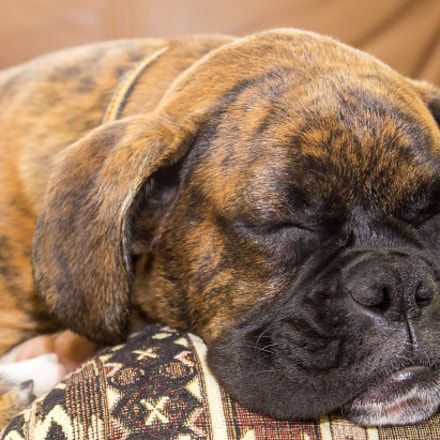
<point x="425" y="221"/>
<point x="423" y="208"/>
<point x="421" y="218"/>
<point x="272" y="228"/>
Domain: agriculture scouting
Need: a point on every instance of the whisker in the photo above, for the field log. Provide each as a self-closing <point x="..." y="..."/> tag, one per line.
<point x="270" y="345"/>
<point x="263" y="333"/>
<point x="272" y="370"/>
<point x="259" y="348"/>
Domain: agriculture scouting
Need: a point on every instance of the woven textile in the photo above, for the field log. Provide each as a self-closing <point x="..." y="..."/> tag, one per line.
<point x="157" y="386"/>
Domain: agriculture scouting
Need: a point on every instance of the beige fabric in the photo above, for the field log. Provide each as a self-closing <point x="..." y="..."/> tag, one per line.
<point x="158" y="386"/>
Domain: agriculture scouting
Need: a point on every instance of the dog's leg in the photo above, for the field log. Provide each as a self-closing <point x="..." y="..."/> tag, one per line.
<point x="15" y="392"/>
<point x="16" y="387"/>
<point x="71" y="349"/>
<point x="13" y="329"/>
<point x="22" y="381"/>
<point x="34" y="367"/>
<point x="42" y="373"/>
<point x="13" y="399"/>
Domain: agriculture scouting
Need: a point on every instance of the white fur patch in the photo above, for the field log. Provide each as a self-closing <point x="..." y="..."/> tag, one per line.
<point x="45" y="371"/>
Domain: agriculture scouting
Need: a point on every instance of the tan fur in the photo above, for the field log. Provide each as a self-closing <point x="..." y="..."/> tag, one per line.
<point x="82" y="179"/>
<point x="10" y="405"/>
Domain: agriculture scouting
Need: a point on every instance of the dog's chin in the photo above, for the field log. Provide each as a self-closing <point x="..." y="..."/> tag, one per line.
<point x="408" y="396"/>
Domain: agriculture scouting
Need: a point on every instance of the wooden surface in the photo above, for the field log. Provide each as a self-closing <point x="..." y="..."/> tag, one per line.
<point x="403" y="33"/>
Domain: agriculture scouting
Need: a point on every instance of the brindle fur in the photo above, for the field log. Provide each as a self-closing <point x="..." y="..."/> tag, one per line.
<point x="117" y="226"/>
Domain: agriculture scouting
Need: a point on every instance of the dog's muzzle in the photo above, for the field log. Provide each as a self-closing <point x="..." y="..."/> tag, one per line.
<point x="356" y="331"/>
<point x="395" y="291"/>
<point x="397" y="287"/>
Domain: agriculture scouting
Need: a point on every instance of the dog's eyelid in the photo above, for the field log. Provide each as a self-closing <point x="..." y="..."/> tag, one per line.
<point x="297" y="226"/>
<point x="421" y="221"/>
<point x="272" y="226"/>
<point x="419" y="217"/>
<point x="418" y="213"/>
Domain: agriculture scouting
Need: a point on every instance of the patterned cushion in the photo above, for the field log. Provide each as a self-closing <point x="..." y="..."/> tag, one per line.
<point x="157" y="386"/>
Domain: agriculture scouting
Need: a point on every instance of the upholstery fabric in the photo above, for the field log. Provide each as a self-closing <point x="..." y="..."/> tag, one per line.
<point x="158" y="386"/>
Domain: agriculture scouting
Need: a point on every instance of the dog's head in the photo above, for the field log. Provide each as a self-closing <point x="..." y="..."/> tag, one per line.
<point x="283" y="203"/>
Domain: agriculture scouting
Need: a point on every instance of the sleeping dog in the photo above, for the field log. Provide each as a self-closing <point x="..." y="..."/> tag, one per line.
<point x="278" y="195"/>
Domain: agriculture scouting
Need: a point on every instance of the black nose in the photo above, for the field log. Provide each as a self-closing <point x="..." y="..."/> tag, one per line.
<point x="396" y="286"/>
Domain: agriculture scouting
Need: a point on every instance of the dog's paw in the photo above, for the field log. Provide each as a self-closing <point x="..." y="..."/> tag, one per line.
<point x="21" y="393"/>
<point x="44" y="371"/>
<point x="21" y="382"/>
<point x="13" y="398"/>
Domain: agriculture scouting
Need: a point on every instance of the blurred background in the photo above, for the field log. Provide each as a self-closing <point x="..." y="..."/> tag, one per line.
<point x="403" y="33"/>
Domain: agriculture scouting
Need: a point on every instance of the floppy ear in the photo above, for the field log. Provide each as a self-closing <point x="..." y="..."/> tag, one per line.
<point x="431" y="96"/>
<point x="81" y="254"/>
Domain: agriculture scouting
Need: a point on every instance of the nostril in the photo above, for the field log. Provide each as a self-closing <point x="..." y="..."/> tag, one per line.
<point x="385" y="299"/>
<point x="424" y="294"/>
<point x="373" y="296"/>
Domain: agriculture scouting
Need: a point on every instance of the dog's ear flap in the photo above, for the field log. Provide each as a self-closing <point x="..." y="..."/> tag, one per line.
<point x="81" y="255"/>
<point x="430" y="95"/>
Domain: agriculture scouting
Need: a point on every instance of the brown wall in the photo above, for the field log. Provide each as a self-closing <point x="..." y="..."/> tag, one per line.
<point x="404" y="33"/>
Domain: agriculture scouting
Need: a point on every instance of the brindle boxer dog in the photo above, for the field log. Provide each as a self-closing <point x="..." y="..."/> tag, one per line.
<point x="276" y="194"/>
